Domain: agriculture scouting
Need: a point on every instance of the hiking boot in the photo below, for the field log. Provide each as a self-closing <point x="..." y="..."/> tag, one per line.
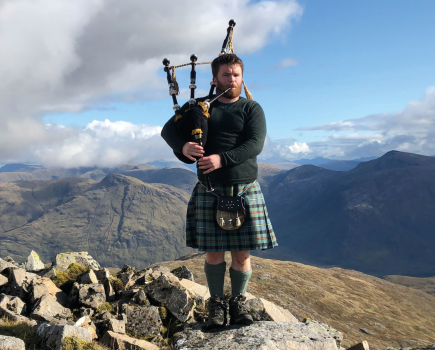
<point x="239" y="312"/>
<point x="217" y="313"/>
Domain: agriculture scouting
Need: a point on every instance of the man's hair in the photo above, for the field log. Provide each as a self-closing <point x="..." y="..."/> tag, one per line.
<point x="228" y="58"/>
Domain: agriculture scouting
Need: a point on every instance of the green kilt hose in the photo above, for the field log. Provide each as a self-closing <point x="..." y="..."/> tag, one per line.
<point x="203" y="232"/>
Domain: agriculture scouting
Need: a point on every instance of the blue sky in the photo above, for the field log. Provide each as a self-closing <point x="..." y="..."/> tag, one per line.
<point x="346" y="61"/>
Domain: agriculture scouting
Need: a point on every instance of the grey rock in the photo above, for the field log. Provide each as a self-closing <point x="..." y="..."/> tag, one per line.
<point x="19" y="281"/>
<point x="128" y="269"/>
<point x="87" y="323"/>
<point x="259" y="336"/>
<point x="361" y="346"/>
<point x="11" y="343"/>
<point x="47" y="309"/>
<point x="5" y="264"/>
<point x="84" y="311"/>
<point x="140" y="298"/>
<point x="183" y="272"/>
<point x="113" y="325"/>
<point x="127" y="279"/>
<point x="44" y="286"/>
<point x="143" y="321"/>
<point x="12" y="316"/>
<point x="121" y="341"/>
<point x="90" y="295"/>
<point x="88" y="278"/>
<point x="171" y="294"/>
<point x="108" y="289"/>
<point x="3" y="280"/>
<point x="102" y="274"/>
<point x="52" y="335"/>
<point x="34" y="263"/>
<point x="11" y="303"/>
<point x="158" y="271"/>
<point x="263" y="310"/>
<point x="63" y="260"/>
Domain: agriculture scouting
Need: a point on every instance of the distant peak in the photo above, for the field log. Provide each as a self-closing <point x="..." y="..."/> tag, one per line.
<point x="395" y="159"/>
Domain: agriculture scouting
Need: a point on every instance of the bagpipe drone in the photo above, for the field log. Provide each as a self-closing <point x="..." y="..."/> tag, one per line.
<point x="192" y="125"/>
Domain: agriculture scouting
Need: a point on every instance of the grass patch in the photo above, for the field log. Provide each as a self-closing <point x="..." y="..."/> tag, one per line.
<point x="20" y="330"/>
<point x="106" y="307"/>
<point x="72" y="343"/>
<point x="116" y="283"/>
<point x="65" y="277"/>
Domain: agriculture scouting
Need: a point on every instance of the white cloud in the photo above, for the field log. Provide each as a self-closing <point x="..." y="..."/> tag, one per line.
<point x="102" y="143"/>
<point x="67" y="56"/>
<point x="299" y="147"/>
<point x="411" y="129"/>
<point x="288" y="62"/>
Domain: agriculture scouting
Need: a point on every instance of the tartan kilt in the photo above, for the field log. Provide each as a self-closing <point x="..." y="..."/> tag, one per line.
<point x="203" y="232"/>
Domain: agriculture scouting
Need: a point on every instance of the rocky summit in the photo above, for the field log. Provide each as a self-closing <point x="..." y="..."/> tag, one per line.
<point x="152" y="308"/>
<point x="74" y="301"/>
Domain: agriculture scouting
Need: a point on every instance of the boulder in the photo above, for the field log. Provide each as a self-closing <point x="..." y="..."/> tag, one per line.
<point x="47" y="309"/>
<point x="3" y="280"/>
<point x="87" y="323"/>
<point x="5" y="264"/>
<point x="140" y="298"/>
<point x="264" y="310"/>
<point x="113" y="325"/>
<point x="126" y="279"/>
<point x="143" y="321"/>
<point x="183" y="272"/>
<point x="12" y="316"/>
<point x="121" y="341"/>
<point x="361" y="346"/>
<point x="52" y="336"/>
<point x="19" y="282"/>
<point x="102" y="274"/>
<point x="44" y="286"/>
<point x="11" y="303"/>
<point x="11" y="343"/>
<point x="90" y="295"/>
<point x="172" y="295"/>
<point x="63" y="260"/>
<point x="200" y="292"/>
<point x="34" y="263"/>
<point x="88" y="278"/>
<point x="108" y="289"/>
<point x="260" y="335"/>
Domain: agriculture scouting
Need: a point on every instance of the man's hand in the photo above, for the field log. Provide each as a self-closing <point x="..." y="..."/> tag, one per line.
<point x="210" y="163"/>
<point x="192" y="149"/>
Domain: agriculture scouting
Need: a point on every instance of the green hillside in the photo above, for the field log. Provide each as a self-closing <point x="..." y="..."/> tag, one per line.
<point x="118" y="220"/>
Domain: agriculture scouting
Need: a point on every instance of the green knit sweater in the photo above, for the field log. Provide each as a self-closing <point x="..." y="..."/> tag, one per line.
<point x="236" y="132"/>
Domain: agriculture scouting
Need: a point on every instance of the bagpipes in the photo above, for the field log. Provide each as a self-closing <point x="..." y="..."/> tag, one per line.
<point x="192" y="125"/>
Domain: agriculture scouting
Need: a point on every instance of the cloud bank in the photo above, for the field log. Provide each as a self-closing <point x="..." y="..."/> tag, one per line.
<point x="68" y="56"/>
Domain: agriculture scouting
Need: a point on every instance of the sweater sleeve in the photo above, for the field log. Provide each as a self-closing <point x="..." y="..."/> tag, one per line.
<point x="255" y="134"/>
<point x="170" y="135"/>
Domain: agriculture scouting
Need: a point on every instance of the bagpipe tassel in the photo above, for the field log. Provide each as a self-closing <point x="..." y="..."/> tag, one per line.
<point x="221" y="222"/>
<point x="238" y="223"/>
<point x="247" y="92"/>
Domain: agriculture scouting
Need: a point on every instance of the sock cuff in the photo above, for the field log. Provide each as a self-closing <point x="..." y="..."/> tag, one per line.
<point x="215" y="269"/>
<point x="240" y="274"/>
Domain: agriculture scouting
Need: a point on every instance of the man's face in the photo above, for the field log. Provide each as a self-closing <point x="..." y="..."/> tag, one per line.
<point x="229" y="75"/>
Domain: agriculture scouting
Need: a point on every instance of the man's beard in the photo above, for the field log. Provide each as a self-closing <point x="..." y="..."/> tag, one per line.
<point x="233" y="93"/>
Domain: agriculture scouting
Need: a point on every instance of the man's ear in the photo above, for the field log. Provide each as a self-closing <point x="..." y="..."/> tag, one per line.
<point x="214" y="81"/>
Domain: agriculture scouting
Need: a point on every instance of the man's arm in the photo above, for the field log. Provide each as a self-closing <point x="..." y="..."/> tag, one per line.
<point x="170" y="135"/>
<point x="255" y="134"/>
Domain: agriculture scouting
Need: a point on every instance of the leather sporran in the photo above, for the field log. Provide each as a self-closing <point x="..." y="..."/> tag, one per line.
<point x="230" y="212"/>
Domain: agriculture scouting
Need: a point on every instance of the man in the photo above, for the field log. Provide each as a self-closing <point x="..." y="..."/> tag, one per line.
<point x="236" y="133"/>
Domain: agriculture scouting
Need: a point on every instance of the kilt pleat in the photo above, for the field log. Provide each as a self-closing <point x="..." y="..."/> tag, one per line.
<point x="203" y="232"/>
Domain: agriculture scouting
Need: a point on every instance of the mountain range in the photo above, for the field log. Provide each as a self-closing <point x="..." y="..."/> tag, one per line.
<point x="376" y="218"/>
